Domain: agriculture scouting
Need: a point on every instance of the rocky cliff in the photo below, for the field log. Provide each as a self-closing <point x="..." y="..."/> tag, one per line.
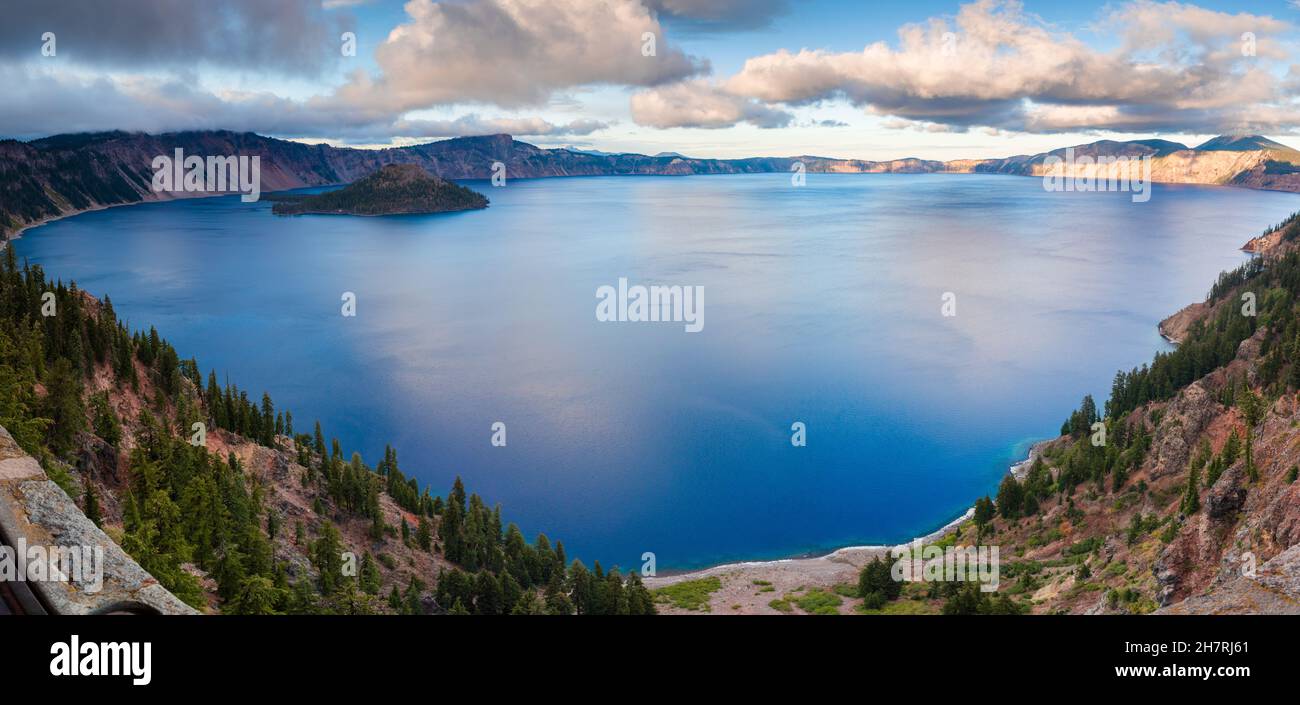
<point x="1200" y="511"/>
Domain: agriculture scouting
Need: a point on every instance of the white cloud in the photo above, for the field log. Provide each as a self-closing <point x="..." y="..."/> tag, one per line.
<point x="1181" y="69"/>
<point x="1174" y="67"/>
<point x="701" y="104"/>
<point x="514" y="53"/>
<point x="78" y="103"/>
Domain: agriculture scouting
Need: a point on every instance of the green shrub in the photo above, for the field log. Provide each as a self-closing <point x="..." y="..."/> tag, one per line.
<point x="689" y="594"/>
<point x="819" y="602"/>
<point x="873" y="601"/>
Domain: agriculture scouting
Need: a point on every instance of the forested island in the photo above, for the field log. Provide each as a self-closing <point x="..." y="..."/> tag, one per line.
<point x="394" y="189"/>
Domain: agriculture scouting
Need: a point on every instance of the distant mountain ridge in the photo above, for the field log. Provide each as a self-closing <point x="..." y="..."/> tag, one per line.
<point x="64" y="174"/>
<point x="1243" y="143"/>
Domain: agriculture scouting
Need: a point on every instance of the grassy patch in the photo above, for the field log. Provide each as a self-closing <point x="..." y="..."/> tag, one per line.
<point x="1080" y="588"/>
<point x="1084" y="547"/>
<point x="819" y="602"/>
<point x="1020" y="568"/>
<point x="690" y="594"/>
<point x="846" y="590"/>
<point x="901" y="607"/>
<point x="781" y="605"/>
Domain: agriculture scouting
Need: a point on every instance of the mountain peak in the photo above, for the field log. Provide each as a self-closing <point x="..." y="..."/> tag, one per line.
<point x="1242" y="143"/>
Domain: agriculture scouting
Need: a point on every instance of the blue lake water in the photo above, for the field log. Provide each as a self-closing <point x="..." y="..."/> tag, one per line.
<point x="823" y="305"/>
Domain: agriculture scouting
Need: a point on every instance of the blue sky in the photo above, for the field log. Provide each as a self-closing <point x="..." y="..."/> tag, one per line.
<point x="729" y="77"/>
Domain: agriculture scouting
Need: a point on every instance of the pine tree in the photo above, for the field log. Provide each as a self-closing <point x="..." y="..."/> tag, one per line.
<point x="1252" y="406"/>
<point x="529" y="604"/>
<point x="424" y="535"/>
<point x="1191" y="496"/>
<point x="327" y="556"/>
<point x="511" y="593"/>
<point x="984" y="513"/>
<point x="369" y="575"/>
<point x="107" y="425"/>
<point x="62" y="405"/>
<point x="1010" y="498"/>
<point x="877" y="577"/>
<point x="487" y="594"/>
<point x="257" y="595"/>
<point x="412" y="600"/>
<point x="91" y="508"/>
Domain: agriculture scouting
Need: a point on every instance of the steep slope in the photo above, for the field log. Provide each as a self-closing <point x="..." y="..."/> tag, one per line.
<point x="1192" y="504"/>
<point x="218" y="499"/>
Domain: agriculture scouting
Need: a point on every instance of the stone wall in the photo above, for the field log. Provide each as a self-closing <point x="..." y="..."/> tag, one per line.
<point x="36" y="512"/>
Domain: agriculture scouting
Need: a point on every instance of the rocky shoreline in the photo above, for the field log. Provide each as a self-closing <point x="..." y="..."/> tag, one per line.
<point x="837" y="567"/>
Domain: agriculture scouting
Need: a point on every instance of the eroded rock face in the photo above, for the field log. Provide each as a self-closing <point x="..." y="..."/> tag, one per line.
<point x="1228" y="495"/>
<point x="1274" y="589"/>
<point x="1202" y="552"/>
<point x="1190" y="560"/>
<point x="1184" y="420"/>
<point x="97" y="459"/>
